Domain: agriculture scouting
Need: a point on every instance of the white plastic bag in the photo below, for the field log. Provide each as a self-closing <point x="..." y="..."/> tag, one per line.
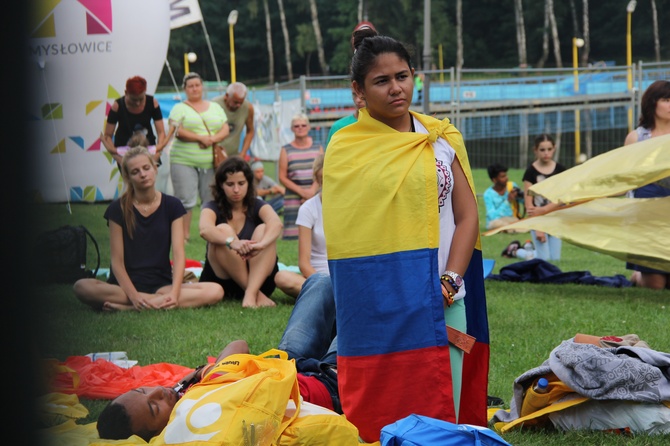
<point x="646" y="418"/>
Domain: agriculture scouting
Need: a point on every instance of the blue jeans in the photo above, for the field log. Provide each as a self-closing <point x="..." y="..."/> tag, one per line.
<point x="310" y="332"/>
<point x="277" y="203"/>
<point x="550" y="250"/>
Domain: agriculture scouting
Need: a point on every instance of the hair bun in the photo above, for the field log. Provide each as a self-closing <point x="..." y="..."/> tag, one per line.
<point x="361" y="31"/>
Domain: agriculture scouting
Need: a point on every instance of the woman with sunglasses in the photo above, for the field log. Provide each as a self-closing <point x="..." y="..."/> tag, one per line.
<point x="295" y="172"/>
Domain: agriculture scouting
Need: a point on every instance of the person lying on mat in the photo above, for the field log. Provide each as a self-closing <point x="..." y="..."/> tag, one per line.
<point x="309" y="338"/>
<point x="144" y="225"/>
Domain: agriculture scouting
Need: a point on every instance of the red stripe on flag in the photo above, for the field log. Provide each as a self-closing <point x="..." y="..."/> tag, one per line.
<point x="421" y="383"/>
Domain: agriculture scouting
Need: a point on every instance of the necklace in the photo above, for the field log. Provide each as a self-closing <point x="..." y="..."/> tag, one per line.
<point x="145" y="207"/>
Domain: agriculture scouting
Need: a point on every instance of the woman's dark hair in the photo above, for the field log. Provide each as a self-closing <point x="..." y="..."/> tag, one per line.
<point x="114" y="424"/>
<point x="657" y="90"/>
<point x="230" y="166"/>
<point x="542" y="138"/>
<point x="368" y="44"/>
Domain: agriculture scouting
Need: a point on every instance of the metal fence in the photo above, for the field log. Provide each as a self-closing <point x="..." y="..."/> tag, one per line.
<point x="588" y="110"/>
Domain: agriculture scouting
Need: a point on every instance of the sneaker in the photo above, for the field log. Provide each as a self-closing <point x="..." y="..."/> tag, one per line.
<point x="510" y="251"/>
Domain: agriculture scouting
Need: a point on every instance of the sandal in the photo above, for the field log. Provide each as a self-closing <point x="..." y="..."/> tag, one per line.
<point x="510" y="251"/>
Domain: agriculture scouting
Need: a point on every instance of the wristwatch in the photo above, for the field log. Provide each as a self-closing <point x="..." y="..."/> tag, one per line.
<point x="458" y="280"/>
<point x="230" y="240"/>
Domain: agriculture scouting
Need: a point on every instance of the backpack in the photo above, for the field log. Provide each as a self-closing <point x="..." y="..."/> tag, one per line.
<point x="419" y="430"/>
<point x="61" y="255"/>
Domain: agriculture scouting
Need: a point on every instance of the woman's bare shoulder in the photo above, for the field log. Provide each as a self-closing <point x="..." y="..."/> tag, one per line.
<point x="631" y="138"/>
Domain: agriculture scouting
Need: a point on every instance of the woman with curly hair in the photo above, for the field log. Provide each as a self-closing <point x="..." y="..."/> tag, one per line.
<point x="241" y="231"/>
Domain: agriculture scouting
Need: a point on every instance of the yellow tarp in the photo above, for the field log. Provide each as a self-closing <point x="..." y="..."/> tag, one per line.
<point x="612" y="173"/>
<point x="633" y="230"/>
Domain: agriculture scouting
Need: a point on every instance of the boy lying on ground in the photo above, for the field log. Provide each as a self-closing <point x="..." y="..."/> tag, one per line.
<point x="309" y="338"/>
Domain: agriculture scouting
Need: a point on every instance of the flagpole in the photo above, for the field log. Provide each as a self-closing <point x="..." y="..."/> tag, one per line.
<point x="174" y="82"/>
<point x="211" y="53"/>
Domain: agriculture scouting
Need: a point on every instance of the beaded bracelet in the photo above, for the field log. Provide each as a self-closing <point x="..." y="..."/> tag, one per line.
<point x="451" y="282"/>
<point x="448" y="295"/>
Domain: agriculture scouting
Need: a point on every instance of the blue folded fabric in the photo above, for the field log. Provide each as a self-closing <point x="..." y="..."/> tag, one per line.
<point x="541" y="271"/>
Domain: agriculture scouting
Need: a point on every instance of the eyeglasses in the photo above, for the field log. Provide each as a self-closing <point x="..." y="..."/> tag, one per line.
<point x="299" y="125"/>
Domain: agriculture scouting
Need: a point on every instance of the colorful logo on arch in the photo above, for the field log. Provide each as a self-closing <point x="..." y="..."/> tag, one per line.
<point x="97" y="13"/>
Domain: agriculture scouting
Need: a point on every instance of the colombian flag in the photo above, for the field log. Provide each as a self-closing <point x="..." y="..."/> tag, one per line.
<point x="381" y="221"/>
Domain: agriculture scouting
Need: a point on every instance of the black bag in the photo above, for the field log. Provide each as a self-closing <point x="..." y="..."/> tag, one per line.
<point x="61" y="255"/>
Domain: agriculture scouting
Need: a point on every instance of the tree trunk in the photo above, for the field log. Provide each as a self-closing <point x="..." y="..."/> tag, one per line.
<point x="573" y="16"/>
<point x="587" y="35"/>
<point x="520" y="33"/>
<point x="545" y="37"/>
<point x="657" y="42"/>
<point x="271" y="55"/>
<point x="554" y="34"/>
<point x="459" y="34"/>
<point x="287" y="42"/>
<point x="359" y="16"/>
<point x="319" y="39"/>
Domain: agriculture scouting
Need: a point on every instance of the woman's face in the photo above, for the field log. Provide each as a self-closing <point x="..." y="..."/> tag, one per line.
<point x="141" y="172"/>
<point x="545" y="151"/>
<point x="235" y="187"/>
<point x="388" y="88"/>
<point x="662" y="110"/>
<point x="193" y="88"/>
<point x="300" y="128"/>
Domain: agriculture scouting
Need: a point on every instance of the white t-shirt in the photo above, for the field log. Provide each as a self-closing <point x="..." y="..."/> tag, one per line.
<point x="310" y="215"/>
<point x="444" y="156"/>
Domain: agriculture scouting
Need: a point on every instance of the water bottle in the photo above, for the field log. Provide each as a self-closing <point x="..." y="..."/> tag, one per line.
<point x="536" y="398"/>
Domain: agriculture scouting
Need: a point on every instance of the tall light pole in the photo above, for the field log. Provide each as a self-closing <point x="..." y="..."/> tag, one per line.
<point x="232" y="20"/>
<point x="629" y="56"/>
<point x="576" y="43"/>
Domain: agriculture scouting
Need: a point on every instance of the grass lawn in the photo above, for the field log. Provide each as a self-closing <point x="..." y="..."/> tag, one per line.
<point x="526" y="320"/>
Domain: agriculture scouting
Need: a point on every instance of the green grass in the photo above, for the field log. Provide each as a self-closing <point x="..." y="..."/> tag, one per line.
<point x="526" y="320"/>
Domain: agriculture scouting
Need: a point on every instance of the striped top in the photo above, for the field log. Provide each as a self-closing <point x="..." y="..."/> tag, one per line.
<point x="300" y="162"/>
<point x="190" y="153"/>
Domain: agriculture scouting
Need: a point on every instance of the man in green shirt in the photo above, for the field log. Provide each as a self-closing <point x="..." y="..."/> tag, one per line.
<point x="240" y="114"/>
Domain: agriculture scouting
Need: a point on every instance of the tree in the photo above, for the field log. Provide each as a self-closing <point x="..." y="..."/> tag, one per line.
<point x="587" y="37"/>
<point x="657" y="42"/>
<point x="545" y="37"/>
<point x="520" y="33"/>
<point x="268" y="33"/>
<point x="287" y="41"/>
<point x="459" y="34"/>
<point x="317" y="35"/>
<point x="554" y="33"/>
<point x="305" y="44"/>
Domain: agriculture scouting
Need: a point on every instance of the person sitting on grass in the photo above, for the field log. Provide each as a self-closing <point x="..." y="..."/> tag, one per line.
<point x="267" y="188"/>
<point x="143" y="225"/>
<point x="241" y="232"/>
<point x="503" y="199"/>
<point x="309" y="338"/>
<point x="312" y="256"/>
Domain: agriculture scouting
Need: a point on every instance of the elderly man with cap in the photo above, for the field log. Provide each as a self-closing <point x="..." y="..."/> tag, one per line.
<point x="267" y="188"/>
<point x="240" y="114"/>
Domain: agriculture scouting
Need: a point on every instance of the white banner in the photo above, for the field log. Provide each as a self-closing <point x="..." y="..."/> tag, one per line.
<point x="184" y="12"/>
<point x="82" y="53"/>
<point x="273" y="128"/>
